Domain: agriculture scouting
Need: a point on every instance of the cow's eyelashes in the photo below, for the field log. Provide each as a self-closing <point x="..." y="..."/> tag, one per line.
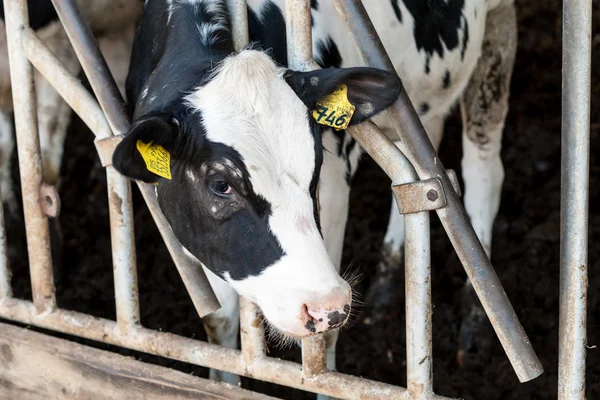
<point x="221" y="188"/>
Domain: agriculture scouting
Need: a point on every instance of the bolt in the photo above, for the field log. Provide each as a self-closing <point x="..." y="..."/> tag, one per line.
<point x="432" y="195"/>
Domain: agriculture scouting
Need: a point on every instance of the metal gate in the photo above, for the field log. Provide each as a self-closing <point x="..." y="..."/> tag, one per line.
<point x="412" y="167"/>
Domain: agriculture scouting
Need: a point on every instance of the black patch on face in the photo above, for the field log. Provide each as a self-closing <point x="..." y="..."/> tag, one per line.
<point x="328" y="54"/>
<point x="397" y="11"/>
<point x="437" y="23"/>
<point x="424" y="108"/>
<point x="314" y="5"/>
<point x="310" y="325"/>
<point x="446" y="82"/>
<point x="314" y="182"/>
<point x="41" y="13"/>
<point x="228" y="234"/>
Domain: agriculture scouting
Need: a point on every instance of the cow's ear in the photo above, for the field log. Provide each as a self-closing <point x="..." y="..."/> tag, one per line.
<point x="369" y="90"/>
<point x="144" y="154"/>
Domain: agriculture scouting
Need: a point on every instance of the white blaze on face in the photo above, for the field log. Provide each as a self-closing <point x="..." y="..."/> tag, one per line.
<point x="248" y="106"/>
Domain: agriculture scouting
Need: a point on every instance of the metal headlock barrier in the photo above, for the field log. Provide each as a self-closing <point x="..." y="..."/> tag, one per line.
<point x="413" y="172"/>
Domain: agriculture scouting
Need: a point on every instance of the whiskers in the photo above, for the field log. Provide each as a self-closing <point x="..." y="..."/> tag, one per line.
<point x="353" y="276"/>
<point x="277" y="338"/>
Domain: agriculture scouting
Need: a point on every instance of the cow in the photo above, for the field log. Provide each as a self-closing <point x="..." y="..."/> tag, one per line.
<point x="254" y="187"/>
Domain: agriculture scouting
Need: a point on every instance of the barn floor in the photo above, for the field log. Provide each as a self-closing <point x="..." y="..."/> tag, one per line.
<point x="525" y="248"/>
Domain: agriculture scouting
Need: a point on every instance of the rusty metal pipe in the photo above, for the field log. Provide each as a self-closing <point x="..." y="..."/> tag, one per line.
<point x="119" y="189"/>
<point x="30" y="161"/>
<point x="417" y="147"/>
<point x="417" y="253"/>
<point x="93" y="63"/>
<point x="576" y="76"/>
<point x="200" y="353"/>
<point x="111" y="102"/>
<point x="69" y="87"/>
<point x="300" y="58"/>
<point x="252" y="332"/>
<point x="122" y="240"/>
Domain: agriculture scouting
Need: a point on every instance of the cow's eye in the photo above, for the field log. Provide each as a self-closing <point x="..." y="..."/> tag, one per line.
<point x="221" y="188"/>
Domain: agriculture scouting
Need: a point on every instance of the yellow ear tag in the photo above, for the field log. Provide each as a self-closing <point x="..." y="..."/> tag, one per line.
<point x="157" y="159"/>
<point x="335" y="110"/>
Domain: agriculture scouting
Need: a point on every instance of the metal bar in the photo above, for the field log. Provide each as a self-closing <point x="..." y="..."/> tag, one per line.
<point x="313" y="356"/>
<point x="417" y="147"/>
<point x="419" y="365"/>
<point x="200" y="353"/>
<point x="67" y="86"/>
<point x="299" y="35"/>
<point x="238" y="15"/>
<point x="30" y="161"/>
<point x="111" y="102"/>
<point x="93" y="63"/>
<point x="119" y="189"/>
<point x="300" y="58"/>
<point x="122" y="239"/>
<point x="252" y="332"/>
<point x="576" y="76"/>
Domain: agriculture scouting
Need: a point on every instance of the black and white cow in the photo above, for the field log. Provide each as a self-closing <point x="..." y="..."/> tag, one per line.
<point x="247" y="158"/>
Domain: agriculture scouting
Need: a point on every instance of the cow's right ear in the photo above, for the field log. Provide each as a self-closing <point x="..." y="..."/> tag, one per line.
<point x="144" y="154"/>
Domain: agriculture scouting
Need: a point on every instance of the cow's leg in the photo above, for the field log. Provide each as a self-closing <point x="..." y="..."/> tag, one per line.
<point x="484" y="106"/>
<point x="389" y="270"/>
<point x="222" y="326"/>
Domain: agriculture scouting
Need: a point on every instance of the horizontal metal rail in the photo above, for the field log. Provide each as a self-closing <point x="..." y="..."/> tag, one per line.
<point x="200" y="353"/>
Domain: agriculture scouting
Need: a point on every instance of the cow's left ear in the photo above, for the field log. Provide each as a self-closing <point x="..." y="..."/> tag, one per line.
<point x="369" y="90"/>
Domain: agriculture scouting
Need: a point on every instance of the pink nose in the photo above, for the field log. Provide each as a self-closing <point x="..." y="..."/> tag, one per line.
<point x="330" y="312"/>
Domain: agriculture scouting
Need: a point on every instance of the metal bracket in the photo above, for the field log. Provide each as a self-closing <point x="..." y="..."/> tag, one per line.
<point x="106" y="148"/>
<point x="427" y="195"/>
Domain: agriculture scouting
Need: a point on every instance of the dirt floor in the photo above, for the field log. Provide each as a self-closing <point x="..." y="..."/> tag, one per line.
<point x="525" y="247"/>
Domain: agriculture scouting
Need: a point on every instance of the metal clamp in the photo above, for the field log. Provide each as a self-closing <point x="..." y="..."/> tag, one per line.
<point x="427" y="195"/>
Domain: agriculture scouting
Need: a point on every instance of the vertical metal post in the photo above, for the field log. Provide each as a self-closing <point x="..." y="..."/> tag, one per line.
<point x="252" y="332"/>
<point x="419" y="365"/>
<point x="30" y="161"/>
<point x="110" y="100"/>
<point x="417" y="147"/>
<point x="299" y="34"/>
<point x="238" y="14"/>
<point x="419" y="337"/>
<point x="576" y="76"/>
<point x="122" y="241"/>
<point x="300" y="58"/>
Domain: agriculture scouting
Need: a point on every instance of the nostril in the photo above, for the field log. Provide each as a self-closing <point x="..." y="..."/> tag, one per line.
<point x="310" y="323"/>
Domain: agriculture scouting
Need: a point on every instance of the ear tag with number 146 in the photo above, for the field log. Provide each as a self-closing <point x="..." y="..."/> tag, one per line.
<point x="335" y="110"/>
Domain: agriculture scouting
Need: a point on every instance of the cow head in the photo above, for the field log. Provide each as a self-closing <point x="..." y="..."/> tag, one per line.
<point x="245" y="156"/>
